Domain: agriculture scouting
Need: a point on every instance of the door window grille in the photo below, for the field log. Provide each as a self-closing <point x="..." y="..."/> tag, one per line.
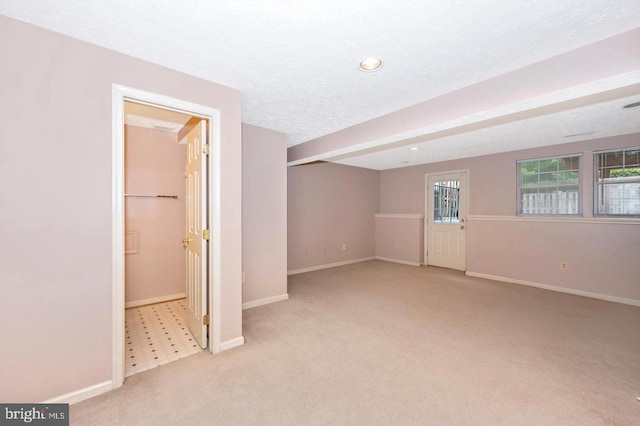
<point x="446" y="201"/>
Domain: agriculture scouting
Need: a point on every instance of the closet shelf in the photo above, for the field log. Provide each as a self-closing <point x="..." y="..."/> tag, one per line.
<point x="175" y="197"/>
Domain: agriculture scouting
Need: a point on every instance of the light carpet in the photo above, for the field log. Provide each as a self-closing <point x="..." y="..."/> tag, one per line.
<point x="378" y="343"/>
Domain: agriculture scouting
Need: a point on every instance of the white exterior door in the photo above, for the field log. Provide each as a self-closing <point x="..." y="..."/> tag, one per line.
<point x="196" y="240"/>
<point x="446" y="210"/>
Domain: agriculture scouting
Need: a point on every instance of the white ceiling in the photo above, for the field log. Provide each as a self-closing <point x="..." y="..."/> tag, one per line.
<point x="598" y="120"/>
<point x="296" y="61"/>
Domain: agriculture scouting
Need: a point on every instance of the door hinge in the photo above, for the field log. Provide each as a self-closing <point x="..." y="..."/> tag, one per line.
<point x="205" y="319"/>
<point x="206" y="234"/>
<point x="206" y="149"/>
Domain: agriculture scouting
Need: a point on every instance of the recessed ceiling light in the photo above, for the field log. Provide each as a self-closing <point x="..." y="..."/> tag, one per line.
<point x="633" y="105"/>
<point x="414" y="148"/>
<point x="370" y="64"/>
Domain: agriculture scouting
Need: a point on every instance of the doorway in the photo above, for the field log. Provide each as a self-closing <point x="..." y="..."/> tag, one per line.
<point x="203" y="301"/>
<point x="445" y="215"/>
<point x="164" y="207"/>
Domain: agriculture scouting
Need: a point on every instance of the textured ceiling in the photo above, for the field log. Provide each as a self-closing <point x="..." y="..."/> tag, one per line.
<point x="296" y="61"/>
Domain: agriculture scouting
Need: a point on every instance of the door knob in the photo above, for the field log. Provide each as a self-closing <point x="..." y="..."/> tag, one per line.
<point x="186" y="241"/>
<point x="462" y="227"/>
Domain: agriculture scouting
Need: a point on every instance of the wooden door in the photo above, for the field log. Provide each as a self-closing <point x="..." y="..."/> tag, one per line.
<point x="197" y="234"/>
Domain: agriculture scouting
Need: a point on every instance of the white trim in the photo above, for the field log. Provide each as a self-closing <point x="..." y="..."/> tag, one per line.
<point x="585" y="94"/>
<point x="425" y="222"/>
<point x="400" y="215"/>
<point x="153" y="300"/>
<point x="233" y="343"/>
<point x="600" y="296"/>
<point x="404" y="262"/>
<point x="553" y="219"/>
<point x="117" y="237"/>
<point x="265" y="301"/>
<point x="81" y="394"/>
<point x="215" y="224"/>
<point x="329" y="265"/>
<point x="119" y="95"/>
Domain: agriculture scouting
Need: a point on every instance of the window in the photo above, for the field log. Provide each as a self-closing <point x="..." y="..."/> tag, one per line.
<point x="549" y="186"/>
<point x="617" y="182"/>
<point x="446" y="201"/>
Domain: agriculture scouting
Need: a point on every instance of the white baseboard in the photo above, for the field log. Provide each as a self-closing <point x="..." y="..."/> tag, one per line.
<point x="81" y="394"/>
<point x="159" y="299"/>
<point x="233" y="343"/>
<point x="600" y="296"/>
<point x="404" y="262"/>
<point x="100" y="388"/>
<point x="265" y="301"/>
<point x="329" y="265"/>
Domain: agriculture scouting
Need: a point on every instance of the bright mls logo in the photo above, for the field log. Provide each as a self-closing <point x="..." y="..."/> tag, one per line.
<point x="36" y="414"/>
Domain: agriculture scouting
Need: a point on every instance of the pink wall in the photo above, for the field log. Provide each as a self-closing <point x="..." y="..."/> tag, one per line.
<point x="400" y="238"/>
<point x="599" y="255"/>
<point x="493" y="178"/>
<point x="56" y="186"/>
<point x="154" y="164"/>
<point x="264" y="213"/>
<point x="601" y="258"/>
<point x="330" y="205"/>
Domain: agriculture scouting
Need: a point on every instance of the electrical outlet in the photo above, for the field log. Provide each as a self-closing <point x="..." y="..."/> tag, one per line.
<point x="306" y="251"/>
<point x="344" y="246"/>
<point x="397" y="245"/>
<point x="564" y="266"/>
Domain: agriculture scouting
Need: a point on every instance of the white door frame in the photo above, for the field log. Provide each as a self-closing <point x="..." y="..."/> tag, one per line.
<point x="119" y="95"/>
<point x="427" y="207"/>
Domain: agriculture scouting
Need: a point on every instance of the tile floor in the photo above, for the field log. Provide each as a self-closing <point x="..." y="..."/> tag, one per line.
<point x="157" y="334"/>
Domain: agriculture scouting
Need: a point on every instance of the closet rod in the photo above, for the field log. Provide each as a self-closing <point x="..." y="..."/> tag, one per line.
<point x="175" y="197"/>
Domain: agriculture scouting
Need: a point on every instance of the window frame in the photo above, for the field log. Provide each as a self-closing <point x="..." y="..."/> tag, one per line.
<point x="596" y="186"/>
<point x="519" y="212"/>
